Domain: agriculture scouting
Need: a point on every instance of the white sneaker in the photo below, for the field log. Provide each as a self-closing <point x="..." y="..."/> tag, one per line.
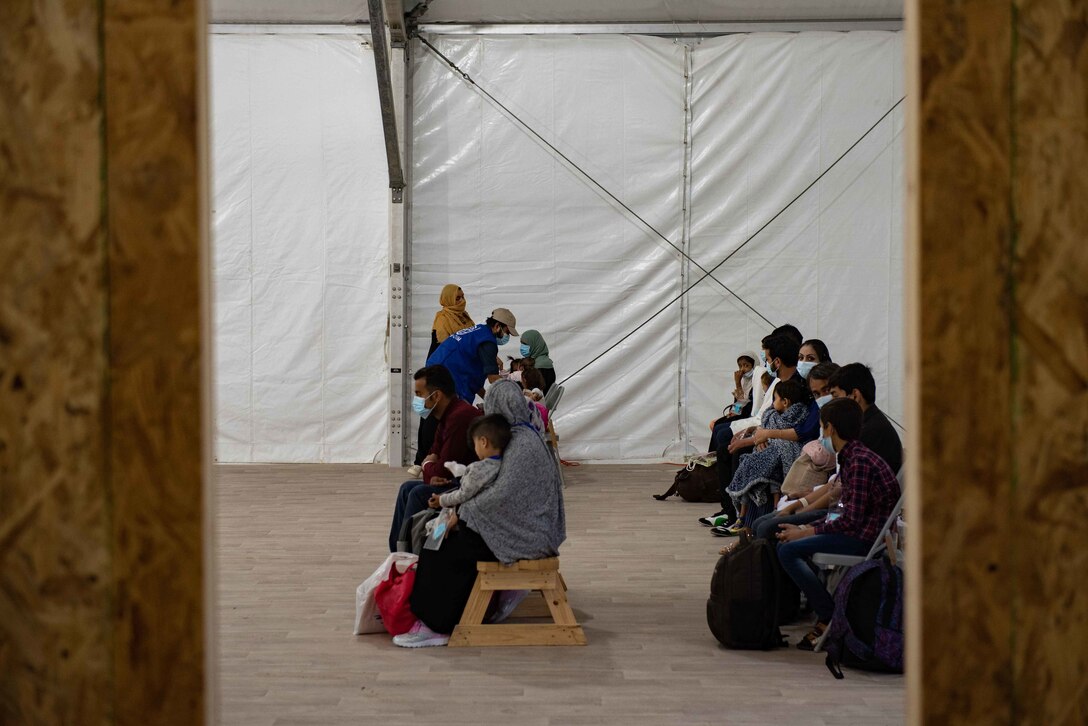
<point x="420" y="636"/>
<point x="415" y="471"/>
<point x="715" y="520"/>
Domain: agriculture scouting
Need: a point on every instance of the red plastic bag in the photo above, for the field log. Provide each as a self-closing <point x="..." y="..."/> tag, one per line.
<point x="391" y="597"/>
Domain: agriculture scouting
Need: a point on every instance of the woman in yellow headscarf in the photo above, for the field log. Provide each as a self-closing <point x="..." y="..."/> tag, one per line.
<point x="447" y="321"/>
<point x="451" y="318"/>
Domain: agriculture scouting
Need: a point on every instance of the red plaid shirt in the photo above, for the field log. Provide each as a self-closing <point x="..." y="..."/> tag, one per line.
<point x="869" y="493"/>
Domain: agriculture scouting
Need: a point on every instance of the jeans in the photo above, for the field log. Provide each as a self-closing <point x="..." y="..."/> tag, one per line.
<point x="766" y="527"/>
<point x="411" y="500"/>
<point x="794" y="558"/>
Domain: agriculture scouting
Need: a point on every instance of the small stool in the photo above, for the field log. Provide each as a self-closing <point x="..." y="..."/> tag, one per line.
<point x="537" y="575"/>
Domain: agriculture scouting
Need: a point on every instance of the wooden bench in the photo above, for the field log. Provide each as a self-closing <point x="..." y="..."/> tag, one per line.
<point x="540" y="576"/>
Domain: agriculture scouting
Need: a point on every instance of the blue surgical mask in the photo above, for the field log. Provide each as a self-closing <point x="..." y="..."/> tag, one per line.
<point x="524" y="349"/>
<point x="419" y="405"/>
<point x="504" y="339"/>
<point x="822" y="400"/>
<point x="805" y="367"/>
<point x="763" y="359"/>
<point x="825" y="441"/>
<point x="748" y="374"/>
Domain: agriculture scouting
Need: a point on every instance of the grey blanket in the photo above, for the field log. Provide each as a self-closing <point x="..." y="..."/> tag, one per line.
<point x="520" y="516"/>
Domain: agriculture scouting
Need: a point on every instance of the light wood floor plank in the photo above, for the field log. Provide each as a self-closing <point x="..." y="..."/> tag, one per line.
<point x="294" y="541"/>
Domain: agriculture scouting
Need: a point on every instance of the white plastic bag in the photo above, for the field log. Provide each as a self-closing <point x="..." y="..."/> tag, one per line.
<point x="367" y="619"/>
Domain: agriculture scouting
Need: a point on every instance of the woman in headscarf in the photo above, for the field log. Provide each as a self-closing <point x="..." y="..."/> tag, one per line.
<point x="533" y="346"/>
<point x="520" y="516"/>
<point x="447" y="321"/>
<point x="451" y="318"/>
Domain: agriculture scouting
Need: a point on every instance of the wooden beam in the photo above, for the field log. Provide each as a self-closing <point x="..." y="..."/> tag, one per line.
<point x="55" y="572"/>
<point x="998" y="409"/>
<point x="101" y="576"/>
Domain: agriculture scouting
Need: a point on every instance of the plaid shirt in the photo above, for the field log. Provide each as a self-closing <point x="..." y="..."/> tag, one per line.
<point x="869" y="493"/>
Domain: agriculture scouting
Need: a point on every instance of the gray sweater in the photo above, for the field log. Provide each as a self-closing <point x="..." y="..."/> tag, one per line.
<point x="520" y="516"/>
<point x="478" y="475"/>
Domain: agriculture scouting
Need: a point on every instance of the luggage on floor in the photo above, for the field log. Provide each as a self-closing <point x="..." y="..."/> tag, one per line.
<point x="745" y="593"/>
<point x="866" y="630"/>
<point x="696" y="482"/>
<point x="391" y="598"/>
<point x="367" y="617"/>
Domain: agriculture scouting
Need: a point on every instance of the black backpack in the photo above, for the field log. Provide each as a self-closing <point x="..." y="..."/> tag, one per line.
<point x="746" y="594"/>
<point x="696" y="482"/>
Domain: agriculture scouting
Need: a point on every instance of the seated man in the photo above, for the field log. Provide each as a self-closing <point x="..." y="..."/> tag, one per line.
<point x="869" y="493"/>
<point x="435" y="396"/>
<point x="855" y="381"/>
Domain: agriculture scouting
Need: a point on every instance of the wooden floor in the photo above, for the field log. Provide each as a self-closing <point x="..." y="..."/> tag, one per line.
<point x="294" y="541"/>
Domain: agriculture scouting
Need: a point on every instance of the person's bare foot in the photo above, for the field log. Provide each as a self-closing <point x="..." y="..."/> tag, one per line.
<point x="728" y="548"/>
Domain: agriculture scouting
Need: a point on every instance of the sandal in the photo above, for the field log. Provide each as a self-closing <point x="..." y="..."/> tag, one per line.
<point x="809" y="641"/>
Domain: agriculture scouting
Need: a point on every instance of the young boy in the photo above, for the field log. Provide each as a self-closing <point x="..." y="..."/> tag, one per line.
<point x="489" y="436"/>
<point x="869" y="493"/>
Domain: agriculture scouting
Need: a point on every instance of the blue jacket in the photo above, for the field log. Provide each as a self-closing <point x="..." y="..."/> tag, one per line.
<point x="458" y="353"/>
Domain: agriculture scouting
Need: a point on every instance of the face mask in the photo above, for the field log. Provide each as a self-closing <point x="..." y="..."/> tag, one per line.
<point x="524" y="350"/>
<point x="748" y="374"/>
<point x="503" y="340"/>
<point x="804" y="367"/>
<point x="763" y="359"/>
<point x="825" y="441"/>
<point x="419" y="405"/>
<point x="822" y="400"/>
<point x="774" y="371"/>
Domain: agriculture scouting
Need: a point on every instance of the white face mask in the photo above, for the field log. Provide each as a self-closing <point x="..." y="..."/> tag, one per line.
<point x="805" y="367"/>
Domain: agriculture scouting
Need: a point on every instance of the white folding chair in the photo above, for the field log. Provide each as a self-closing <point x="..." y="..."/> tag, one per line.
<point x="839" y="564"/>
<point x="551" y="399"/>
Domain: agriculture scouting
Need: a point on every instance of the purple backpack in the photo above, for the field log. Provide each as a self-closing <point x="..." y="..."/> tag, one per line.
<point x="866" y="630"/>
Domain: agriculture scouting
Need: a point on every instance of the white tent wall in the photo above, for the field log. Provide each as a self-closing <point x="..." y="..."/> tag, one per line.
<point x="300" y="243"/>
<point x="770" y="113"/>
<point x="497" y="213"/>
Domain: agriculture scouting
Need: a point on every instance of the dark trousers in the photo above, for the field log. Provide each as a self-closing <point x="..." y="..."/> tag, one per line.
<point x="766" y="527"/>
<point x="794" y="558"/>
<point x="444" y="579"/>
<point x="411" y="499"/>
<point x="727" y="466"/>
<point x="425" y="438"/>
<point x="721" y="434"/>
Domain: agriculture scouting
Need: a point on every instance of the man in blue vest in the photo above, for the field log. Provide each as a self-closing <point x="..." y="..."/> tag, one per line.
<point x="471" y="355"/>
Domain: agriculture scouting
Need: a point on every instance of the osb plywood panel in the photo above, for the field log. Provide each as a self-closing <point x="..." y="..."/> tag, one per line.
<point x="154" y="352"/>
<point x="959" y="444"/>
<point x="1050" y="293"/>
<point x="54" y="563"/>
<point x="100" y="508"/>
<point x="1000" y="434"/>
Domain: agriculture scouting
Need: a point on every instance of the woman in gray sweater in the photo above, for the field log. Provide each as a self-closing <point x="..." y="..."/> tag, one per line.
<point x="518" y="517"/>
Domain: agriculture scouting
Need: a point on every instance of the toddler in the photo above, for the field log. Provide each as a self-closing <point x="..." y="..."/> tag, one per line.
<point x="489" y="435"/>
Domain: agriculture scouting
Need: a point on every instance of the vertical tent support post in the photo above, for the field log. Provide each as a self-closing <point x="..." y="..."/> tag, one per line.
<point x="389" y="41"/>
<point x="398" y="294"/>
